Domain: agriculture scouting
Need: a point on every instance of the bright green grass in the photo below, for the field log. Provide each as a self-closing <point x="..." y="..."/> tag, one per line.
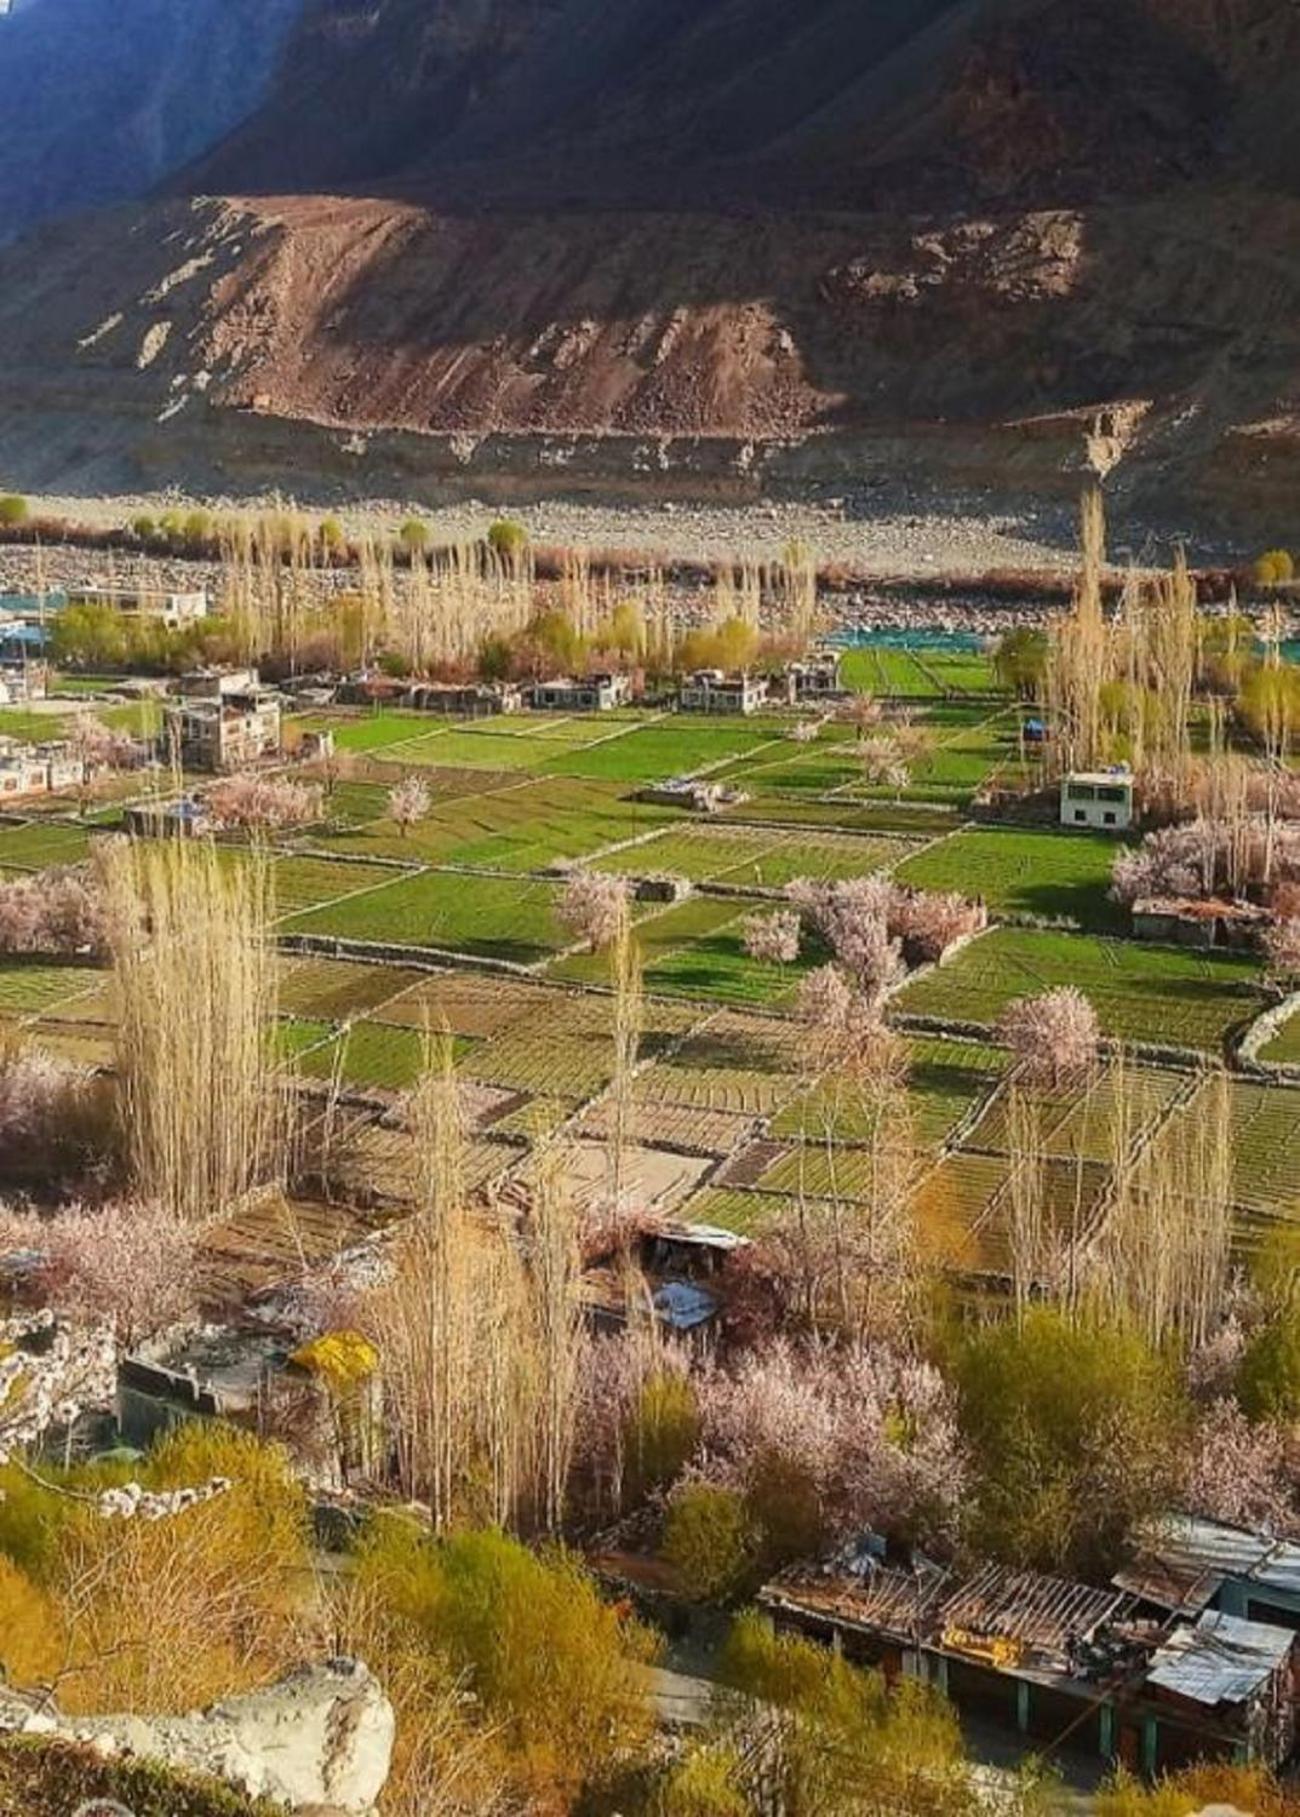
<point x="677" y="747"/>
<point x="1163" y="995"/>
<point x="844" y="815"/>
<point x="137" y="718"/>
<point x="86" y="684"/>
<point x="744" y="856"/>
<point x="26" y="988"/>
<point x="33" y="846"/>
<point x="1025" y="873"/>
<point x="489" y="917"/>
<point x="364" y="731"/>
<point x="748" y="1214"/>
<point x="302" y="883"/>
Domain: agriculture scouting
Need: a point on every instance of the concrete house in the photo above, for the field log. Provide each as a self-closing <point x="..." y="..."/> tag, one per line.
<point x="231" y="723"/>
<point x="710" y="691"/>
<point x="816" y="677"/>
<point x="1101" y="799"/>
<point x="586" y="694"/>
<point x="472" y="700"/>
<point x="172" y="609"/>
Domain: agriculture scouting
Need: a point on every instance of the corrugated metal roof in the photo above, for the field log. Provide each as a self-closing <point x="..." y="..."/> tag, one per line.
<point x="1223" y="1659"/>
<point x="1190" y="1546"/>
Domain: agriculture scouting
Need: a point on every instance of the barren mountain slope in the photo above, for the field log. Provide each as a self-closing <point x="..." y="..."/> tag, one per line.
<point x="710" y="244"/>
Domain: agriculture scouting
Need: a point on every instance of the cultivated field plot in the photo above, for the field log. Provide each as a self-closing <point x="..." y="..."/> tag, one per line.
<point x="28" y="988"/>
<point x="336" y="990"/>
<point x="466" y="1003"/>
<point x="842" y="814"/>
<point x="1266" y="1138"/>
<point x="746" y="1213"/>
<point x="530" y="825"/>
<point x="1025" y="873"/>
<point x="1165" y="995"/>
<point x="958" y="763"/>
<point x="274" y="1242"/>
<point x="963" y="1209"/>
<point x="83" y="1045"/>
<point x="1284" y="1048"/>
<point x="661" y="933"/>
<point x="500" y="750"/>
<point x="492" y="918"/>
<point x="916" y="674"/>
<point x="733" y="1062"/>
<point x="33" y="845"/>
<point x="946" y="1080"/>
<point x="1085" y="1124"/>
<point x="681" y="746"/>
<point x="303" y="883"/>
<point x="372" y="1054"/>
<point x="693" y="1128"/>
<point x="750" y="857"/>
<point x="567" y="1049"/>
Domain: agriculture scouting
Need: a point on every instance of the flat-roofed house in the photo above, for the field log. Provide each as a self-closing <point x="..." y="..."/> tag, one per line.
<point x="710" y="691"/>
<point x="226" y="731"/>
<point x="585" y="694"/>
<point x="1101" y="799"/>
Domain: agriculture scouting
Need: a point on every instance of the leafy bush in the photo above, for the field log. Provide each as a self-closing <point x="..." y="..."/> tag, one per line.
<point x="145" y="527"/>
<point x="711" y="1540"/>
<point x="414" y="534"/>
<point x="507" y="538"/>
<point x="13" y="510"/>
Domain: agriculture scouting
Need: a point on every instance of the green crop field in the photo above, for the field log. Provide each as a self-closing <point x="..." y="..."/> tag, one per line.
<point x="1266" y="1141"/>
<point x="748" y="857"/>
<point x="946" y="1079"/>
<point x="1025" y="873"/>
<point x="679" y="746"/>
<point x="26" y="988"/>
<point x="36" y="845"/>
<point x="1163" y="995"/>
<point x="494" y="918"/>
<point x="1284" y="1048"/>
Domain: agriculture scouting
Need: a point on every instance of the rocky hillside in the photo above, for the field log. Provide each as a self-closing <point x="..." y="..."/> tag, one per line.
<point x="703" y="246"/>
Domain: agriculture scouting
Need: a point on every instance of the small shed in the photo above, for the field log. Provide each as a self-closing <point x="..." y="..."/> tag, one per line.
<point x="1233" y="1680"/>
<point x="1200" y="922"/>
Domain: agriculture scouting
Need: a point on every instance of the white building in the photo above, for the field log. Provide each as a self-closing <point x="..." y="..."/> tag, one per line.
<point x="172" y="609"/>
<point x="588" y="694"/>
<point x="710" y="691"/>
<point x="1102" y="799"/>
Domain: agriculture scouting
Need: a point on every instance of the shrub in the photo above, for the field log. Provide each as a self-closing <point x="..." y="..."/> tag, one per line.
<point x="1274" y="566"/>
<point x="557" y="1673"/>
<point x="144" y="527"/>
<point x="507" y="538"/>
<point x="197" y="527"/>
<point x="331" y="534"/>
<point x="13" y="510"/>
<point x="1268" y="1382"/>
<point x="660" y="1433"/>
<point x="1074" y="1429"/>
<point x="414" y="535"/>
<point x="706" y="1782"/>
<point x="31" y="1643"/>
<point x="711" y="1540"/>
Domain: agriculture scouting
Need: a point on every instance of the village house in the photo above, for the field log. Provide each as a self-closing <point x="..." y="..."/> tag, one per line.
<point x="472" y="700"/>
<point x="37" y="769"/>
<point x="1048" y="1657"/>
<point x="1102" y="799"/>
<point x="171" y="609"/>
<point x="586" y="694"/>
<point x="710" y="691"/>
<point x="223" y="722"/>
<point x="21" y="682"/>
<point x="1199" y="922"/>
<point x="816" y="677"/>
<point x="685" y="792"/>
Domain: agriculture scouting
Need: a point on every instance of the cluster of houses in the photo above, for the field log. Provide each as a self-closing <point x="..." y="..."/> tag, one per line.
<point x="38" y="769"/>
<point x="705" y="691"/>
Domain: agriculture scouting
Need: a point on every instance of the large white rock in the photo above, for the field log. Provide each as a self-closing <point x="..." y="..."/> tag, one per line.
<point x="321" y="1738"/>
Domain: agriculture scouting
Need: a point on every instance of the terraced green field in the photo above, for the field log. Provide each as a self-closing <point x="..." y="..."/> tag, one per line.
<point x="34" y="846"/>
<point x="748" y="857"/>
<point x="496" y="918"/>
<point x="1025" y="872"/>
<point x="1159" y="994"/>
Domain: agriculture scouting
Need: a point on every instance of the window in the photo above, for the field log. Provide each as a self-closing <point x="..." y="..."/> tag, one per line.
<point x="1112" y="794"/>
<point x="1108" y="818"/>
<point x="1079" y="814"/>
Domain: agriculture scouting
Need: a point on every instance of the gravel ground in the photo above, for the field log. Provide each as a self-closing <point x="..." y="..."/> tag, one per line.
<point x="875" y="538"/>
